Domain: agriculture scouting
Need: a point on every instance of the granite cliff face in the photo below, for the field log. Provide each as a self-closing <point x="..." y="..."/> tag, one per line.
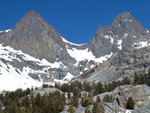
<point x="33" y="35"/>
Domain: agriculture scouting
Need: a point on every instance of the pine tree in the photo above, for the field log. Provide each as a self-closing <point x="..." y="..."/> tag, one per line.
<point x="69" y="95"/>
<point x="107" y="98"/>
<point x="98" y="100"/>
<point x="101" y="107"/>
<point x="95" y="108"/>
<point x="87" y="110"/>
<point x="74" y="101"/>
<point x="130" y="103"/>
<point x="71" y="109"/>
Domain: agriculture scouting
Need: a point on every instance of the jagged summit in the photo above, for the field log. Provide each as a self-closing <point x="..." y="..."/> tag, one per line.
<point x="117" y="36"/>
<point x="35" y="25"/>
<point x="33" y="13"/>
<point x="34" y="36"/>
<point x="125" y="22"/>
<point x="124" y="16"/>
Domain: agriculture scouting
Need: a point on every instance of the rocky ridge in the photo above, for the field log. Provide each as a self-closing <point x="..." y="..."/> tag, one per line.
<point x="59" y="59"/>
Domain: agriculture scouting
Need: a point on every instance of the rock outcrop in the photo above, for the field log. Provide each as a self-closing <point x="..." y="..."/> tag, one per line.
<point x="140" y="94"/>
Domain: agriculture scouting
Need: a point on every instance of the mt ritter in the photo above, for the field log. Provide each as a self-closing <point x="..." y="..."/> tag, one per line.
<point x="33" y="53"/>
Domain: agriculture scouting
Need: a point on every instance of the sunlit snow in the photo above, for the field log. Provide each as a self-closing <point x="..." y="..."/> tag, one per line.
<point x="119" y="43"/>
<point x="5" y="30"/>
<point x="68" y="77"/>
<point x="12" y="78"/>
<point x="125" y="35"/>
<point x="141" y="44"/>
<point x="66" y="41"/>
<point x="85" y="54"/>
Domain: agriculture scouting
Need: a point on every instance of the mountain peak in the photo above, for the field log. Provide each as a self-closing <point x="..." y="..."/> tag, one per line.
<point x="126" y="23"/>
<point x="32" y="14"/>
<point x="33" y="35"/>
<point x="125" y="16"/>
<point x="34" y="24"/>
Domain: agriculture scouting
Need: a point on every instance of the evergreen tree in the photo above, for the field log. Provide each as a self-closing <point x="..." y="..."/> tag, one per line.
<point x="87" y="110"/>
<point x="74" y="101"/>
<point x="98" y="100"/>
<point x="95" y="108"/>
<point x="71" y="109"/>
<point x="68" y="95"/>
<point x="101" y="107"/>
<point x="130" y="103"/>
<point x="107" y="98"/>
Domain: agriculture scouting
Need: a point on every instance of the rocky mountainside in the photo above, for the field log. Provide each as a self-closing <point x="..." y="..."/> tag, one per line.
<point x="121" y="34"/>
<point x="35" y="51"/>
<point x="120" y="65"/>
<point x="129" y="42"/>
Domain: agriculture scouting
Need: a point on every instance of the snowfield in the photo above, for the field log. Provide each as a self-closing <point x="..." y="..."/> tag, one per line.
<point x="12" y="78"/>
<point x="141" y="44"/>
<point x="82" y="55"/>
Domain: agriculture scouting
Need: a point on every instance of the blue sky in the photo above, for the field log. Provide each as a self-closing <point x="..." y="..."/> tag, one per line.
<point x="76" y="20"/>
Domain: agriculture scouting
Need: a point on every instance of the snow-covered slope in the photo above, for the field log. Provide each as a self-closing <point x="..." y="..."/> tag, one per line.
<point x="13" y="77"/>
<point x="17" y="69"/>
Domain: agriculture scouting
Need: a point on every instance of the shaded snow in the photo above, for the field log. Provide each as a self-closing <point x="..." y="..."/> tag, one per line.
<point x="130" y="20"/>
<point x="125" y="20"/>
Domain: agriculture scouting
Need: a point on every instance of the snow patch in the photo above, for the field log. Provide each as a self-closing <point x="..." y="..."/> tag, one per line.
<point x="68" y="77"/>
<point x="106" y="36"/>
<point x="110" y="32"/>
<point x="130" y="20"/>
<point x="119" y="43"/>
<point x="125" y="35"/>
<point x="109" y="37"/>
<point x="7" y="30"/>
<point x="147" y="31"/>
<point x="141" y="44"/>
<point x="66" y="41"/>
<point x="134" y="36"/>
<point x="111" y="40"/>
<point x="125" y="20"/>
<point x="85" y="54"/>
